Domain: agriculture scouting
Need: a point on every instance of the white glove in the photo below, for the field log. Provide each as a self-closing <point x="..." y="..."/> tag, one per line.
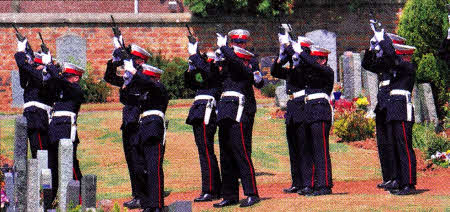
<point x="46" y="58"/>
<point x="221" y="40"/>
<point x="257" y="76"/>
<point x="283" y="39"/>
<point x="373" y="43"/>
<point x="296" y="59"/>
<point x="297" y="47"/>
<point x="379" y="36"/>
<point x="118" y="41"/>
<point x="128" y="66"/>
<point x="219" y="56"/>
<point x="192" y="48"/>
<point x="22" y="45"/>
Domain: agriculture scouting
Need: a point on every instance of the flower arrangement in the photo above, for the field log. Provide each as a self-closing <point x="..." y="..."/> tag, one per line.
<point x="362" y="103"/>
<point x="441" y="158"/>
<point x="338" y="88"/>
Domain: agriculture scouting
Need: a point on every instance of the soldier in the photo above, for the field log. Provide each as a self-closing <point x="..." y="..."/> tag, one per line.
<point x="319" y="80"/>
<point x="38" y="96"/>
<point x="378" y="61"/>
<point x="400" y="113"/>
<point x="203" y="76"/>
<point x="151" y="135"/>
<point x="236" y="112"/>
<point x="64" y="117"/>
<point x="129" y="95"/>
<point x="300" y="158"/>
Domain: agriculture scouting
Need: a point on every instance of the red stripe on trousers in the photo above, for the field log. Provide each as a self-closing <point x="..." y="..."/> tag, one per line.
<point x="312" y="177"/>
<point x="159" y="178"/>
<point x="325" y="152"/>
<point x="407" y="151"/>
<point x="246" y="156"/>
<point x="207" y="155"/>
<point x="40" y="142"/>
<point x="76" y="178"/>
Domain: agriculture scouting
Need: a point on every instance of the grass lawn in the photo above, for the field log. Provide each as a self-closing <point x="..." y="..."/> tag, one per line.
<point x="101" y="153"/>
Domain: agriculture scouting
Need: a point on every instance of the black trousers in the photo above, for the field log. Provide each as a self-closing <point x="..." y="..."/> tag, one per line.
<point x="53" y="165"/>
<point x="299" y="156"/>
<point x="235" y="140"/>
<point x="149" y="170"/>
<point x="407" y="164"/>
<point x="39" y="140"/>
<point x="204" y="138"/>
<point x="386" y="147"/>
<point x="318" y="139"/>
<point x="129" y="134"/>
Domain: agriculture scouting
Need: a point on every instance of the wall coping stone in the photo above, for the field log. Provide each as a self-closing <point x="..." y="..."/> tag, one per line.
<point x="81" y="18"/>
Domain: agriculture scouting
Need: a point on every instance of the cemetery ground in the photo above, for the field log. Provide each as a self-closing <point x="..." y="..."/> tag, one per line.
<point x="355" y="170"/>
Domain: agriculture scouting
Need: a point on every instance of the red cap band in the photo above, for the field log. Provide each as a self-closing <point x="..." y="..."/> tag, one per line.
<point x="73" y="71"/>
<point x="151" y="73"/>
<point x="404" y="52"/>
<point x="245" y="37"/>
<point x="318" y="53"/>
<point x="136" y="53"/>
<point x="243" y="56"/>
<point x="398" y="41"/>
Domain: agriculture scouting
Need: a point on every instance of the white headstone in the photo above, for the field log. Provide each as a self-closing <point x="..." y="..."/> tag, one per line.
<point x="326" y="39"/>
<point x="65" y="166"/>
<point x="71" y="48"/>
<point x="33" y="186"/>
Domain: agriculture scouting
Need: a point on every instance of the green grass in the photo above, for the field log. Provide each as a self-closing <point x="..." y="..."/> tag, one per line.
<point x="338" y="147"/>
<point x="265" y="159"/>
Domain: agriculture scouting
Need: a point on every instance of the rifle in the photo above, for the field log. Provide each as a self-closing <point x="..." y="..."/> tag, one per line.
<point x="374" y="23"/>
<point x="43" y="46"/>
<point x="125" y="51"/>
<point x="190" y="36"/>
<point x="20" y="37"/>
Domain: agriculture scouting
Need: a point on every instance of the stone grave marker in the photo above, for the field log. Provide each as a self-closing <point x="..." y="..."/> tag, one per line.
<point x="20" y="163"/>
<point x="16" y="89"/>
<point x="71" y="48"/>
<point x="351" y="63"/>
<point x="326" y="39"/>
<point x="9" y="189"/>
<point x="88" y="191"/>
<point x="65" y="165"/>
<point x="73" y="193"/>
<point x="33" y="186"/>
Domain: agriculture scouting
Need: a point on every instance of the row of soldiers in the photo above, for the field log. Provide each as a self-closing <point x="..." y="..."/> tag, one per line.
<point x="224" y="82"/>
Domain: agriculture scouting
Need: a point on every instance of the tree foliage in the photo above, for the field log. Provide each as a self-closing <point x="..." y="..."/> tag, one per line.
<point x="424" y="24"/>
<point x="265" y="8"/>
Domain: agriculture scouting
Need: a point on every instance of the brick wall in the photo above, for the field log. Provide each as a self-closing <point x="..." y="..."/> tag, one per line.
<point x="169" y="37"/>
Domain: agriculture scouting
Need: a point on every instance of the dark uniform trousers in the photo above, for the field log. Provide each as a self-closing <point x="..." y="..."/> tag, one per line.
<point x="130" y="129"/>
<point x="386" y="147"/>
<point x="37" y="129"/>
<point x="204" y="138"/>
<point x="149" y="164"/>
<point x="236" y="138"/>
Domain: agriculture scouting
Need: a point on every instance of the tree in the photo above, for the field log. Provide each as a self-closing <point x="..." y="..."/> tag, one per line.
<point x="424" y="24"/>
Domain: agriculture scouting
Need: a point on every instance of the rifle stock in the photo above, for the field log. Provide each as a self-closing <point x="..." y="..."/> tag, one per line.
<point x="190" y="37"/>
<point x="126" y="51"/>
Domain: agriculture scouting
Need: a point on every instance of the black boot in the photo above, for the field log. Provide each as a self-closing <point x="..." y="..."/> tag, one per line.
<point x="405" y="190"/>
<point x="306" y="191"/>
<point x="225" y="203"/>
<point x="251" y="200"/>
<point x="205" y="197"/>
<point x="320" y="191"/>
<point x="132" y="204"/>
<point x="292" y="189"/>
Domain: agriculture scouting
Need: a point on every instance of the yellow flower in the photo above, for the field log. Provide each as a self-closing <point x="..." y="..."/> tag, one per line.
<point x="448" y="151"/>
<point x="362" y="101"/>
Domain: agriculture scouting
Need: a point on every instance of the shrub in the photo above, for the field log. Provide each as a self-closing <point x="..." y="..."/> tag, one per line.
<point x="173" y="77"/>
<point x="94" y="91"/>
<point x="269" y="89"/>
<point x="427" y="140"/>
<point x="354" y="126"/>
<point x="424" y="24"/>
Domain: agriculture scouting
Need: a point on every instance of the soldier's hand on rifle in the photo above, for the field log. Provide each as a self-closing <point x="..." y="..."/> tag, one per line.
<point x="379" y="36"/>
<point x="128" y="66"/>
<point x="257" y="76"/>
<point x="118" y="42"/>
<point x="373" y="44"/>
<point x="22" y="45"/>
<point x="283" y="39"/>
<point x="219" y="56"/>
<point x="298" y="50"/>
<point x="192" y="48"/>
<point x="221" y="40"/>
<point x="46" y="58"/>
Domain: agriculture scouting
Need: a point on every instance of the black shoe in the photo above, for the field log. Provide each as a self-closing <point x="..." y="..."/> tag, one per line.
<point x="152" y="210"/>
<point x="292" y="189"/>
<point x="251" y="200"/>
<point x="392" y="185"/>
<point x="383" y="184"/>
<point x="225" y="203"/>
<point x="320" y="191"/>
<point x="406" y="190"/>
<point x="306" y="191"/>
<point x="205" y="197"/>
<point x="132" y="204"/>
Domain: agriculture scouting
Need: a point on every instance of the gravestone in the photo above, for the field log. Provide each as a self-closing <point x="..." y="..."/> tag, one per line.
<point x="370" y="84"/>
<point x="46" y="185"/>
<point x="73" y="193"/>
<point x="326" y="39"/>
<point x="65" y="165"/>
<point x="351" y="64"/>
<point x="428" y="106"/>
<point x="180" y="206"/>
<point x="17" y="91"/>
<point x="33" y="186"/>
<point x="20" y="163"/>
<point x="46" y="178"/>
<point x="9" y="189"/>
<point x="265" y="65"/>
<point x="72" y="49"/>
<point x="281" y="98"/>
<point x="42" y="157"/>
<point x="88" y="191"/>
<point x="418" y="105"/>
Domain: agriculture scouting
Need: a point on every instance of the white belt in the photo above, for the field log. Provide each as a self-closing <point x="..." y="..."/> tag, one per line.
<point x="241" y="102"/>
<point x="297" y="94"/>
<point x="384" y="83"/>
<point x="321" y="96"/>
<point x="39" y="105"/>
<point x="209" y="106"/>
<point x="317" y="96"/>
<point x="409" y="105"/>
<point x="73" y="117"/>
<point x="156" y="113"/>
